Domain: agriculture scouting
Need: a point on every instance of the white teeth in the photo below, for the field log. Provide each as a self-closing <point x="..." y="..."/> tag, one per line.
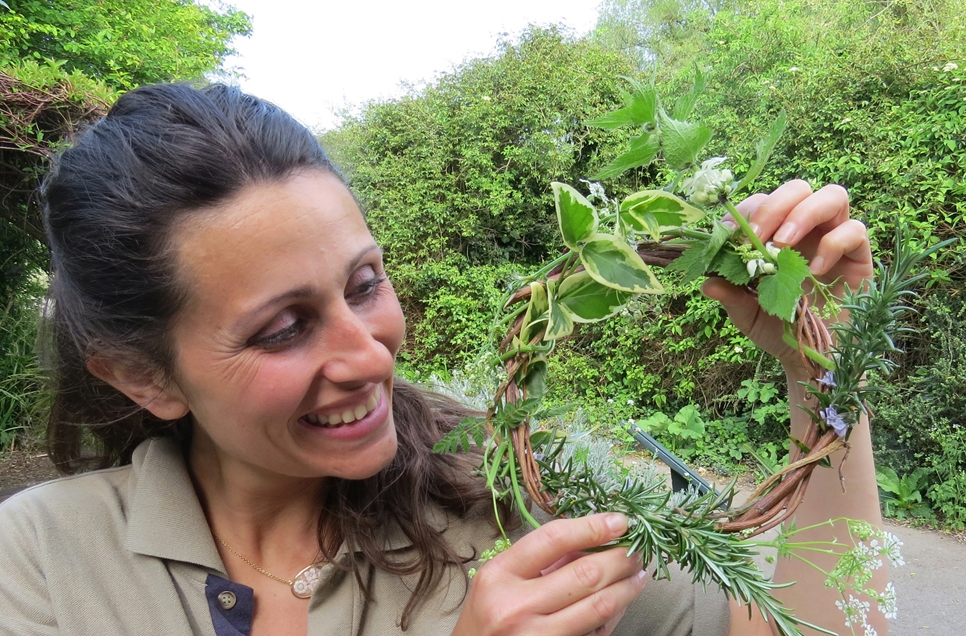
<point x="351" y="415"/>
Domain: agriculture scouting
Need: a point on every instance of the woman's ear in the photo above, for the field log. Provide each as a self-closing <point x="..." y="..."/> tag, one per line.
<point x="147" y="388"/>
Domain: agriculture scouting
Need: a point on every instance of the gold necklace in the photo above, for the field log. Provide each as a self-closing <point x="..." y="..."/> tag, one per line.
<point x="302" y="585"/>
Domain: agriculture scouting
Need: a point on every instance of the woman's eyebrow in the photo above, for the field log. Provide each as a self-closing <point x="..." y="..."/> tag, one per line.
<point x="305" y="291"/>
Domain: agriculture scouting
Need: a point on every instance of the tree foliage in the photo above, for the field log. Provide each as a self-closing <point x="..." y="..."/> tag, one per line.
<point x="462" y="167"/>
<point x="61" y="66"/>
<point x="124" y="43"/>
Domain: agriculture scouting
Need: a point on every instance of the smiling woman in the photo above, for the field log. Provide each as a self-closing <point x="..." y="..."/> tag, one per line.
<point x="222" y="338"/>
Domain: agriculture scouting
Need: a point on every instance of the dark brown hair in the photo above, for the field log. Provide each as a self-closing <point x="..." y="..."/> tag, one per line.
<point x="110" y="205"/>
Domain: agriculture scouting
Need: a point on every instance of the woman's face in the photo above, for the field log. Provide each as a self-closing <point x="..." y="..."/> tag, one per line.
<point x="284" y="352"/>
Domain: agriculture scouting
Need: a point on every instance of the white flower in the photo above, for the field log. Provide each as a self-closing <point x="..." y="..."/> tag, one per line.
<point x="486" y="98"/>
<point x="855" y="610"/>
<point x="890" y="548"/>
<point x="887" y="602"/>
<point x="793" y="69"/>
<point x="950" y="66"/>
<point x="772" y="249"/>
<point x="596" y="190"/>
<point x="631" y="402"/>
<point x="709" y="185"/>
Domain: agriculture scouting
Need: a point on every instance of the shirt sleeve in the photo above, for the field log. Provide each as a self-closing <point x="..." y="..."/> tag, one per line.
<point x="25" y="605"/>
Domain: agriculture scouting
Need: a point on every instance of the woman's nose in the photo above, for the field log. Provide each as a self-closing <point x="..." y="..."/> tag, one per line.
<point x="354" y="350"/>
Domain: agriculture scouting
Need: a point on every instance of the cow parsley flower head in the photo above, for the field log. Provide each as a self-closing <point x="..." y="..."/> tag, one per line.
<point x="890" y="548"/>
<point x="709" y="185"/>
<point x="887" y="602"/>
<point x="856" y="611"/>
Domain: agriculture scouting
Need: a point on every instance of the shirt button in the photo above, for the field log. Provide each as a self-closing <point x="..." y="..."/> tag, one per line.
<point x="227" y="600"/>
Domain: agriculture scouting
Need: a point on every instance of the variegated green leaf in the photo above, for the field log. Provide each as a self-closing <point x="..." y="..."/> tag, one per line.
<point x="536" y="312"/>
<point x="643" y="210"/>
<point x="535" y="378"/>
<point x="588" y="300"/>
<point x="560" y="322"/>
<point x="577" y="217"/>
<point x="612" y="262"/>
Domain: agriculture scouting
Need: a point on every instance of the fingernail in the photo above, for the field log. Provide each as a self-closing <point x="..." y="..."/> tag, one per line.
<point x="785" y="234"/>
<point x="731" y="225"/>
<point x="815" y="267"/>
<point x="755" y="228"/>
<point x="616" y="522"/>
<point x="642" y="576"/>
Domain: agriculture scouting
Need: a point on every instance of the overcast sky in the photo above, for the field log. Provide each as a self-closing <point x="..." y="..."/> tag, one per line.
<point x="315" y="57"/>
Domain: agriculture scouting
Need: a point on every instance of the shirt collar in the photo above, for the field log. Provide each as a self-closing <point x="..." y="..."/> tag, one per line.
<point x="165" y="518"/>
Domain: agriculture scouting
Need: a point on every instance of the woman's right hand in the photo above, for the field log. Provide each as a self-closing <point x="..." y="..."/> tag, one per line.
<point x="543" y="584"/>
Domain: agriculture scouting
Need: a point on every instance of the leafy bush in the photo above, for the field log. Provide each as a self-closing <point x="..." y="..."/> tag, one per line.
<point x="921" y="423"/>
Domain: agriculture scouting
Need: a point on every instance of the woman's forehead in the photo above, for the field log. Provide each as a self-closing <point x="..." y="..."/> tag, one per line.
<point x="288" y="232"/>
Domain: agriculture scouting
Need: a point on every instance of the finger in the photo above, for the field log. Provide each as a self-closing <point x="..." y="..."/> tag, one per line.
<point x="826" y="209"/>
<point x="599" y="609"/>
<point x="541" y="548"/>
<point x="562" y="561"/>
<point x="746" y="207"/>
<point x="609" y="626"/>
<point x="582" y="578"/>
<point x="849" y="240"/>
<point x="771" y="213"/>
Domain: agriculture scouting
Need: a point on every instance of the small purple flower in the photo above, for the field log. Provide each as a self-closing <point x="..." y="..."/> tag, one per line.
<point x="827" y="379"/>
<point x="833" y="419"/>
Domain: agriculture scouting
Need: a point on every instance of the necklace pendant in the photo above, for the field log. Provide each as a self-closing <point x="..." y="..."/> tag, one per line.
<point x="305" y="582"/>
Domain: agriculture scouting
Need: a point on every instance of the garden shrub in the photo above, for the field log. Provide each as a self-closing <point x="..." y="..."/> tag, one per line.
<point x="921" y="421"/>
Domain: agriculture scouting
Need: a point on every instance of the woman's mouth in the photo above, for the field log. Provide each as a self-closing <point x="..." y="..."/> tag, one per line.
<point x="335" y="420"/>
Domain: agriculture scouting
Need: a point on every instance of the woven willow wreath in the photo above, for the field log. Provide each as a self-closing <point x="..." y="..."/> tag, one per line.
<point x="609" y="248"/>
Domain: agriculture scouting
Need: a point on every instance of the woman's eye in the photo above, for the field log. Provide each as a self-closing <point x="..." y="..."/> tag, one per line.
<point x="366" y="284"/>
<point x="281" y="330"/>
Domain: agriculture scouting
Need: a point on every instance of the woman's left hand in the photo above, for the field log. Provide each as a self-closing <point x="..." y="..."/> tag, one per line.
<point x="817" y="224"/>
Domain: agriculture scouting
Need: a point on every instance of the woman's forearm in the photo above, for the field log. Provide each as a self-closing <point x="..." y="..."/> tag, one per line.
<point x="854" y="496"/>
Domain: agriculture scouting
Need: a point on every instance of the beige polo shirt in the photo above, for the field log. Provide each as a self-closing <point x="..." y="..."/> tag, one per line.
<point x="127" y="551"/>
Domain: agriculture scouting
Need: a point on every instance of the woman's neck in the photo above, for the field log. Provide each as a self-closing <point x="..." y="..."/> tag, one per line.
<point x="252" y="509"/>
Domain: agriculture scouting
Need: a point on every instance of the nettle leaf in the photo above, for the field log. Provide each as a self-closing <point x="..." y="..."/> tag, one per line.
<point x="763" y="151"/>
<point x="685" y="104"/>
<point x="683" y="141"/>
<point x="697" y="259"/>
<point x="588" y="300"/>
<point x="641" y="109"/>
<point x="536" y="312"/>
<point x="778" y="294"/>
<point x="642" y="151"/>
<point x="612" y="262"/>
<point x="560" y="323"/>
<point x="645" y="210"/>
<point x="731" y="266"/>
<point x="577" y="217"/>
